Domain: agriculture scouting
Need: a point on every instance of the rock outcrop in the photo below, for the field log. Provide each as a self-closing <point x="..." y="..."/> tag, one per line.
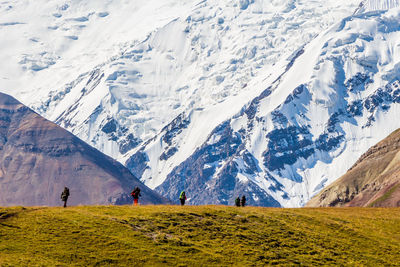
<point x="374" y="180"/>
<point x="38" y="158"/>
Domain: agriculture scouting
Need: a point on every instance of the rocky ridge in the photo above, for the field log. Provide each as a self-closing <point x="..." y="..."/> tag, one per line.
<point x="373" y="181"/>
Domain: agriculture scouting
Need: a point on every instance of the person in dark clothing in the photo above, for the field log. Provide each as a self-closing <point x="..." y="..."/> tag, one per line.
<point x="243" y="201"/>
<point x="237" y="202"/>
<point x="136" y="194"/>
<point x="182" y="197"/>
<point x="65" y="195"/>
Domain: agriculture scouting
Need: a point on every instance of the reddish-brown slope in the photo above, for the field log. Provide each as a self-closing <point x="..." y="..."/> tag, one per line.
<point x="374" y="180"/>
<point x="38" y="158"/>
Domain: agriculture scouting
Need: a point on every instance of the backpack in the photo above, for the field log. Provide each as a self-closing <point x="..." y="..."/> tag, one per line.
<point x="65" y="194"/>
<point x="237" y="201"/>
<point x="136" y="192"/>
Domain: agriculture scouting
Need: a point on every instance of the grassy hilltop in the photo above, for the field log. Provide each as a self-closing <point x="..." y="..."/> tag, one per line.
<point x="198" y="235"/>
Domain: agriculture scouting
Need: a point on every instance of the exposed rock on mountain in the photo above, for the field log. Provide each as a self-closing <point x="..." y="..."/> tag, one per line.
<point x="374" y="180"/>
<point x="38" y="158"/>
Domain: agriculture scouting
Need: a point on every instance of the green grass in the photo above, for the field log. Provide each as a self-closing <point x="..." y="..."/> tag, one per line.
<point x="198" y="236"/>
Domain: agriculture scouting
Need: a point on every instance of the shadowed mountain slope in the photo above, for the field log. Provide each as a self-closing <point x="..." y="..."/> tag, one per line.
<point x="38" y="158"/>
<point x="374" y="180"/>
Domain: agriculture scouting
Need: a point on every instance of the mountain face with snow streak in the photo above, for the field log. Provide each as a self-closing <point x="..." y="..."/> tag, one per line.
<point x="338" y="95"/>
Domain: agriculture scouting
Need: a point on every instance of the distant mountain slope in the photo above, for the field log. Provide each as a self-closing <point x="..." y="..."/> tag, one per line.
<point x="374" y="180"/>
<point x="38" y="158"/>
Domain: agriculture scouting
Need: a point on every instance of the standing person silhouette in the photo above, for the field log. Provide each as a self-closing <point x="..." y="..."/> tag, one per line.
<point x="65" y="195"/>
<point x="243" y="201"/>
<point x="237" y="202"/>
<point x="182" y="197"/>
<point x="136" y="194"/>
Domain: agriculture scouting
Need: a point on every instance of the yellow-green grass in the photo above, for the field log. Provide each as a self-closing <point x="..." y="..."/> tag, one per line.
<point x="198" y="236"/>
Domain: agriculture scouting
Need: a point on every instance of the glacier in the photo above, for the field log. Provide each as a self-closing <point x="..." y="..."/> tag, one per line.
<point x="136" y="66"/>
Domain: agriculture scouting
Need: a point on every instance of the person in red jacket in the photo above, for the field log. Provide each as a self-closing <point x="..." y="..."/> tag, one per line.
<point x="136" y="194"/>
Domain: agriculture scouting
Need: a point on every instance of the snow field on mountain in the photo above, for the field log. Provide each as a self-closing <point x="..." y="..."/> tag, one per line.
<point x="69" y="37"/>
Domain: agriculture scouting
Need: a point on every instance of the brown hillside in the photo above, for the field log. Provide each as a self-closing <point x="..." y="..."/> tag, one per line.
<point x="38" y="158"/>
<point x="374" y="180"/>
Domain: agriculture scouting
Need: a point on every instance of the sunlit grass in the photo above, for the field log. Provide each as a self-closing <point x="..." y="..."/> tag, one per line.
<point x="198" y="235"/>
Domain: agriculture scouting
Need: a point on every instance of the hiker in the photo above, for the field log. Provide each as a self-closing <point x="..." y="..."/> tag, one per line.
<point x="237" y="202"/>
<point x="243" y="202"/>
<point x="136" y="194"/>
<point x="182" y="198"/>
<point x="65" y="195"/>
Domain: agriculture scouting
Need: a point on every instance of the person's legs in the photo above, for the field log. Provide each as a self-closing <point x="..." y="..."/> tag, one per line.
<point x="136" y="200"/>
<point x="182" y="201"/>
<point x="65" y="203"/>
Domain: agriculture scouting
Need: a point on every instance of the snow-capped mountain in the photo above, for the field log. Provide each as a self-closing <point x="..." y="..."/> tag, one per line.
<point x="115" y="72"/>
<point x="336" y="97"/>
<point x="218" y="97"/>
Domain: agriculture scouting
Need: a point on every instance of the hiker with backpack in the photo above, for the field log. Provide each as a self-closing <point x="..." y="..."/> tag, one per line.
<point x="182" y="197"/>
<point x="65" y="195"/>
<point x="237" y="202"/>
<point x="243" y="201"/>
<point x="136" y="194"/>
